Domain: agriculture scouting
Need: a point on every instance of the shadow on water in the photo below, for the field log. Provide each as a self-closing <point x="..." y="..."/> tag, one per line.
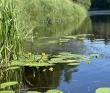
<point x="101" y="27"/>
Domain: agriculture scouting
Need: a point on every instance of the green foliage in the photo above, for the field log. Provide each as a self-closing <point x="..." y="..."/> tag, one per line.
<point x="7" y="92"/>
<point x="11" y="33"/>
<point x="33" y="92"/>
<point x="85" y="3"/>
<point x="3" y="85"/>
<point x="103" y="90"/>
<point x="50" y="11"/>
<point x="53" y="91"/>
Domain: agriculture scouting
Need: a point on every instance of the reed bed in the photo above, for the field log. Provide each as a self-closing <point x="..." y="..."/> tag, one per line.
<point x="11" y="35"/>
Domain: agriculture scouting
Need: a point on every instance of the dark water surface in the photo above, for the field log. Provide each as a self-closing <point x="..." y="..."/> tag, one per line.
<point x="85" y="78"/>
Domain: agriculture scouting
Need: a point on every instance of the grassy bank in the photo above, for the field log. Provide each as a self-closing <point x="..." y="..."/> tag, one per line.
<point x="38" y="12"/>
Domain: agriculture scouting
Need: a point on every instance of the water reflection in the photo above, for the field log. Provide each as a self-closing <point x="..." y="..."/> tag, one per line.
<point x="56" y="31"/>
<point x="43" y="81"/>
<point x="101" y="27"/>
<point x="35" y="79"/>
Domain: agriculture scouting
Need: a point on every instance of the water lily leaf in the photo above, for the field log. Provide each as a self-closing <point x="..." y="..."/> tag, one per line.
<point x="70" y="37"/>
<point x="3" y="85"/>
<point x="37" y="64"/>
<point x="7" y="92"/>
<point x="33" y="92"/>
<point x="52" y="42"/>
<point x="53" y="91"/>
<point x="103" y="90"/>
<point x="81" y="38"/>
<point x="64" y="40"/>
<point x="65" y="53"/>
<point x="74" y="63"/>
<point x="13" y="68"/>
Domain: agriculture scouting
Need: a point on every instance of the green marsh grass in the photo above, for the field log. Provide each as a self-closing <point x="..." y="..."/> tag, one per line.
<point x="11" y="35"/>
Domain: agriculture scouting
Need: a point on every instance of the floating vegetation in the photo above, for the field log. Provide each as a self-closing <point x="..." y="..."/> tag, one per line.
<point x="74" y="64"/>
<point x="3" y="85"/>
<point x="33" y="92"/>
<point x="7" y="92"/>
<point x="67" y="38"/>
<point x="32" y="60"/>
<point x="54" y="91"/>
<point x="81" y="38"/>
<point x="103" y="90"/>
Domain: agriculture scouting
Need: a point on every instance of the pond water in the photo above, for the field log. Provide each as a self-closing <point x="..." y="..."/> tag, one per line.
<point x="85" y="78"/>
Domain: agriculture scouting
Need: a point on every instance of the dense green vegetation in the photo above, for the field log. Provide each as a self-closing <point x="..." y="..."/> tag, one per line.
<point x="100" y="4"/>
<point x="85" y="3"/>
<point x="39" y="12"/>
<point x="18" y="17"/>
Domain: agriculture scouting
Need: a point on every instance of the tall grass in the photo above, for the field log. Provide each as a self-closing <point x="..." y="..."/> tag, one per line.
<point x="11" y="35"/>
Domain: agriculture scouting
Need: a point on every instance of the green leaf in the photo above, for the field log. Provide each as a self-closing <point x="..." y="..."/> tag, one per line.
<point x="33" y="92"/>
<point x="81" y="38"/>
<point x="70" y="37"/>
<point x="53" y="91"/>
<point x="103" y="90"/>
<point x="7" y="92"/>
<point x="13" y="68"/>
<point x="3" y="85"/>
<point x="52" y="42"/>
<point x="74" y="63"/>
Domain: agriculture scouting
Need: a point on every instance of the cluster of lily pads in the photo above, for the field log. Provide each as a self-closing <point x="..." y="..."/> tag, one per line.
<point x="50" y="60"/>
<point x="66" y="38"/>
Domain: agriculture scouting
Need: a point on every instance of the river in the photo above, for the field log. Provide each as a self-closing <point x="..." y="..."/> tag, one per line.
<point x="85" y="78"/>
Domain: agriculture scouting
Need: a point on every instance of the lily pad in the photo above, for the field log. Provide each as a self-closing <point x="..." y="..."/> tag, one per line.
<point x="7" y="92"/>
<point x="3" y="85"/>
<point x="103" y="90"/>
<point x="53" y="91"/>
<point x="81" y="38"/>
<point x="52" y="42"/>
<point x="74" y="64"/>
<point x="33" y="92"/>
<point x="70" y="37"/>
<point x="64" y="40"/>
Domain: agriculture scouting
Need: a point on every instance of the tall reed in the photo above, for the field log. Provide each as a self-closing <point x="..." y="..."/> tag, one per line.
<point x="11" y="37"/>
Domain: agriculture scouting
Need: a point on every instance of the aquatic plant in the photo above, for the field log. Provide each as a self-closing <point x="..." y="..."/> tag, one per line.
<point x="103" y="90"/>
